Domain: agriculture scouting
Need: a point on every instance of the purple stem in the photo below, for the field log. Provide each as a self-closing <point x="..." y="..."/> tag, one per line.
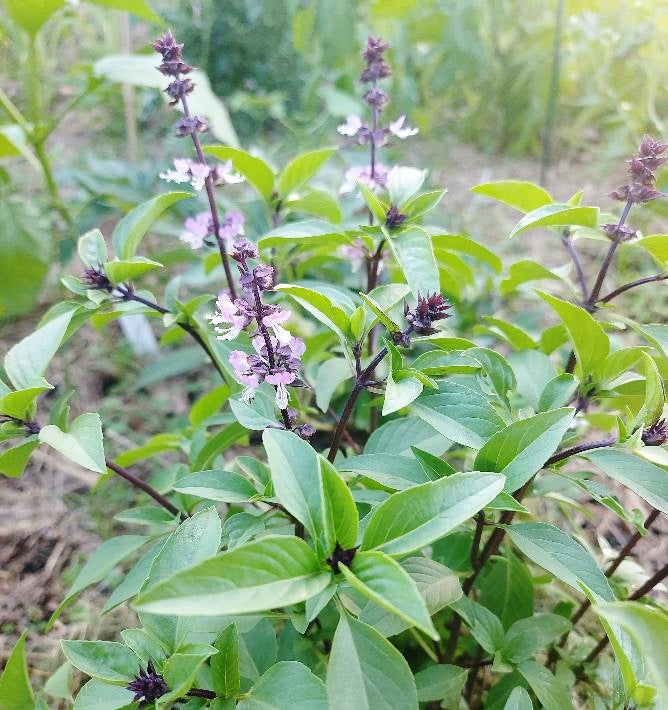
<point x="208" y="184"/>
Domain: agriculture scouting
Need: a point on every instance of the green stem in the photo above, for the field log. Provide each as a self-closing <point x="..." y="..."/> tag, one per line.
<point x="34" y="81"/>
<point x="52" y="187"/>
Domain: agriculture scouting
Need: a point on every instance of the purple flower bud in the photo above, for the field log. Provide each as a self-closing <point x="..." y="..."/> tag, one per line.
<point x="617" y="233"/>
<point x="244" y="249"/>
<point x="264" y="277"/>
<point x="394" y="218"/>
<point x="97" y="280"/>
<point x="148" y="685"/>
<point x="657" y="434"/>
<point x="375" y="96"/>
<point x="376" y="67"/>
<point x="305" y="431"/>
<point x="428" y="309"/>
<point x="167" y="46"/>
<point x="341" y="556"/>
<point x="179" y="88"/>
<point x="186" y="126"/>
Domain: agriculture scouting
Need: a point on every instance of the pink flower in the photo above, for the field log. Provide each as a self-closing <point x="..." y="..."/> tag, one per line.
<point x="232" y="225"/>
<point x="222" y="173"/>
<point x="279" y="380"/>
<point x="244" y="375"/>
<point x="351" y="127"/>
<point x="228" y="312"/>
<point x="363" y="174"/>
<point x="274" y="321"/>
<point x="187" y="171"/>
<point x="197" y="229"/>
<point x="396" y="128"/>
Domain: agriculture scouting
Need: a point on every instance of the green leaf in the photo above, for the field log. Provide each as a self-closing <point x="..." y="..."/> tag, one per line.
<point x="131" y="229"/>
<point x="99" y="565"/>
<point x="104" y="660"/>
<point x="522" y="271"/>
<point x="514" y="336"/>
<point x="301" y="169"/>
<point x="414" y="253"/>
<point x="386" y="583"/>
<point x="25" y="239"/>
<point x="140" y="8"/>
<point x="390" y="470"/>
<point x="272" y="572"/>
<point x="225" y="664"/>
<point x="655" y="395"/>
<point x="441" y="682"/>
<point x="330" y="375"/>
<point x="555" y="215"/>
<point x="366" y="671"/>
<point x="519" y="699"/>
<point x="217" y="444"/>
<point x="382" y="316"/>
<point x="420" y="205"/>
<point x="93" y="249"/>
<point x="14" y="460"/>
<point x="414" y="518"/>
<point x="648" y="627"/>
<point x="295" y="474"/>
<point x="208" y="404"/>
<point x="464" y="244"/>
<point x="19" y="404"/>
<point x="180" y="669"/>
<point x="224" y="486"/>
<point x="506" y="589"/>
<point x="403" y="436"/>
<point x="320" y="306"/>
<point x="306" y="234"/>
<point x="26" y="362"/>
<point x="459" y="413"/>
<point x="134" y="580"/>
<point x="523" y="196"/>
<point x="496" y="367"/>
<point x="254" y="169"/>
<point x="400" y="392"/>
<point x="561" y="555"/>
<point x="287" y="684"/>
<point x="402" y="183"/>
<point x="82" y="443"/>
<point x="377" y="207"/>
<point x="260" y="413"/>
<point x="438" y="586"/>
<point x="120" y="271"/>
<point x="96" y="695"/>
<point x="551" y="691"/>
<point x="143" y="645"/>
<point x="30" y="15"/>
<point x="590" y="342"/>
<point x="557" y="392"/>
<point x="526" y="636"/>
<point x="338" y="506"/>
<point x="523" y="447"/>
<point x="15" y="690"/>
<point x="318" y="203"/>
<point x="485" y="626"/>
<point x="657" y="246"/>
<point x="644" y="478"/>
<point x="58" y="685"/>
<point x="195" y="540"/>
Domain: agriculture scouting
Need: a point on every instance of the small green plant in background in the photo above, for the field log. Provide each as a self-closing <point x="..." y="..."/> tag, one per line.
<point x="372" y="507"/>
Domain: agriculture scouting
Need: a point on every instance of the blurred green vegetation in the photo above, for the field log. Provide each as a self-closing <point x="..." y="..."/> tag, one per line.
<point x="84" y="149"/>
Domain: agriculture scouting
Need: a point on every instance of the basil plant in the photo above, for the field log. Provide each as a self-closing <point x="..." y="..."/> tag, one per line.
<point x="376" y="501"/>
